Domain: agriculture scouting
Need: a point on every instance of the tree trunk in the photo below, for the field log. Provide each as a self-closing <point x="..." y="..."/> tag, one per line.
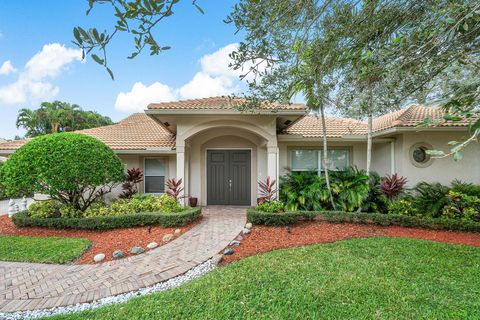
<point x="369" y="142"/>
<point x="325" y="155"/>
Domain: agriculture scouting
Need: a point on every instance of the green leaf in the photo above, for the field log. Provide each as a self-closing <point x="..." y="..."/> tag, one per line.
<point x="97" y="59"/>
<point x="452" y="143"/>
<point x="110" y="73"/>
<point x="199" y="9"/>
<point x="435" y="152"/>
<point x="457" y="156"/>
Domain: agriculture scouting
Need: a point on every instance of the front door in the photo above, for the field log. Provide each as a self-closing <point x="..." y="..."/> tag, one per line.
<point x="228" y="177"/>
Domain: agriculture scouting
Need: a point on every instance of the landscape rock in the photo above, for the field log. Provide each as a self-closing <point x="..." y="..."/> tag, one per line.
<point x="99" y="257"/>
<point x="177" y="232"/>
<point x="249" y="225"/>
<point x="152" y="245"/>
<point x="167" y="237"/>
<point x="228" y="251"/>
<point x="117" y="254"/>
<point x="246" y="231"/>
<point x="235" y="243"/>
<point x="239" y="238"/>
<point x="137" y="250"/>
<point x="216" y="259"/>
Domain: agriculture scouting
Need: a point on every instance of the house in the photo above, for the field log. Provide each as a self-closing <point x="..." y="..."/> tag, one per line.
<point x="221" y="153"/>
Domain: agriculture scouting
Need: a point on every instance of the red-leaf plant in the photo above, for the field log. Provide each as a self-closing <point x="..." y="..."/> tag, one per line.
<point x="393" y="186"/>
<point x="267" y="190"/>
<point x="174" y="187"/>
<point x="130" y="186"/>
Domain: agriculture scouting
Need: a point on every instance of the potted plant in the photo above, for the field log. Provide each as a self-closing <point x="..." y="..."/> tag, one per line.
<point x="192" y="202"/>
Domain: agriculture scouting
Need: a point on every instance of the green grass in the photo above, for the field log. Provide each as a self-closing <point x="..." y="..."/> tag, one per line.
<point x="45" y="250"/>
<point x="374" y="278"/>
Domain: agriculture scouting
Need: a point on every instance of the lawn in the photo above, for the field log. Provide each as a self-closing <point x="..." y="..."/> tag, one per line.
<point x="374" y="278"/>
<point x="44" y="250"/>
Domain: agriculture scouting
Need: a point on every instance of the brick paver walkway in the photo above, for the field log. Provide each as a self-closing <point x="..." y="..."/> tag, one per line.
<point x="30" y="286"/>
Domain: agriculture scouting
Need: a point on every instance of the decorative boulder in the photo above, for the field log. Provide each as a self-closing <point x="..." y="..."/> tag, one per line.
<point x="249" y="225"/>
<point x="235" y="243"/>
<point x="99" y="257"/>
<point x="228" y="251"/>
<point x="152" y="245"/>
<point x="118" y="254"/>
<point x="246" y="231"/>
<point x="239" y="238"/>
<point x="167" y="237"/>
<point x="177" y="232"/>
<point x="137" y="250"/>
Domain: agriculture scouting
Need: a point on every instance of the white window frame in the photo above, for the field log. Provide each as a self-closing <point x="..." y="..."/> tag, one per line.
<point x="165" y="161"/>
<point x="320" y="169"/>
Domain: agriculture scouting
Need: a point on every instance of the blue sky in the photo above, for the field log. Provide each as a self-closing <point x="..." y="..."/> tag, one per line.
<point x="38" y="62"/>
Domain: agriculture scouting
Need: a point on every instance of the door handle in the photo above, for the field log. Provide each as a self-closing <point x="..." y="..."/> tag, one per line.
<point x="230" y="185"/>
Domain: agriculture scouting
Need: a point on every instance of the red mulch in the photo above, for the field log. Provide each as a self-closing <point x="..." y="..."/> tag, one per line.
<point x="102" y="241"/>
<point x="264" y="239"/>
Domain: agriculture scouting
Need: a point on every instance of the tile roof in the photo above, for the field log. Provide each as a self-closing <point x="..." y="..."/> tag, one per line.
<point x="310" y="126"/>
<point x="412" y="116"/>
<point x="219" y="103"/>
<point x="136" y="132"/>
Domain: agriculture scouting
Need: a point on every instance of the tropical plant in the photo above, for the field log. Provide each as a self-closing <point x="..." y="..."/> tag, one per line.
<point x="267" y="190"/>
<point x="301" y="190"/>
<point x="271" y="206"/>
<point x="466" y="188"/>
<point x="376" y="201"/>
<point x="174" y="187"/>
<point x="462" y="206"/>
<point x="430" y="198"/>
<point x="393" y="186"/>
<point x="57" y="116"/>
<point x="404" y="206"/>
<point x="71" y="168"/>
<point x="130" y="185"/>
<point x="350" y="188"/>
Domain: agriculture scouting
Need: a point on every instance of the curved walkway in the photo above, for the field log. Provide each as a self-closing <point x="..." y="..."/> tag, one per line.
<point x="32" y="286"/>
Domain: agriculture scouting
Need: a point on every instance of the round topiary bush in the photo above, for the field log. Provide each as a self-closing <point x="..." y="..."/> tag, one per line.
<point x="72" y="168"/>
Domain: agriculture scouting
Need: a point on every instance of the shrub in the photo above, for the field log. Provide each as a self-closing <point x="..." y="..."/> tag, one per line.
<point x="271" y="206"/>
<point x="130" y="185"/>
<point x="44" y="209"/>
<point x="376" y="201"/>
<point x="393" y="186"/>
<point x="287" y="218"/>
<point x="462" y="206"/>
<point x="22" y="219"/>
<point x="403" y="206"/>
<point x="267" y="190"/>
<point x="174" y="187"/>
<point x="72" y="168"/>
<point x="430" y="198"/>
<point x="302" y="191"/>
<point x="350" y="188"/>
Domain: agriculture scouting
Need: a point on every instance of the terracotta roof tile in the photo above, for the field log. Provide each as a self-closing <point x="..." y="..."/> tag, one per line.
<point x="136" y="132"/>
<point x="310" y="126"/>
<point x="218" y="103"/>
<point x="412" y="116"/>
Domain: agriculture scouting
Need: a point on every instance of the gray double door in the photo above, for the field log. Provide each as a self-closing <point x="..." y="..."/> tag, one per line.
<point x="228" y="177"/>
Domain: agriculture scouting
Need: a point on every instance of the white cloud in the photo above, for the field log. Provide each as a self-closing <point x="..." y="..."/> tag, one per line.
<point x="215" y="78"/>
<point x="7" y="68"/>
<point x="140" y="96"/>
<point x="33" y="83"/>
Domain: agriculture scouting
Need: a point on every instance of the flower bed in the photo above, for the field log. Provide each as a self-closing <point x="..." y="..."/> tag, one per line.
<point x="102" y="241"/>
<point x="286" y="218"/>
<point x="178" y="219"/>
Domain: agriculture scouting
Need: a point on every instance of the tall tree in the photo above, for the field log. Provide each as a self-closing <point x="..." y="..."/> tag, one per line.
<point x="57" y="116"/>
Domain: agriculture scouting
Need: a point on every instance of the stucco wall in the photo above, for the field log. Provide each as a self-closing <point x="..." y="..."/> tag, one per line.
<point x="440" y="170"/>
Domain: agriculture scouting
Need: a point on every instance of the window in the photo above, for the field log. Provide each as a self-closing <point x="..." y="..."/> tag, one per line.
<point x="154" y="176"/>
<point x="311" y="160"/>
<point x="418" y="155"/>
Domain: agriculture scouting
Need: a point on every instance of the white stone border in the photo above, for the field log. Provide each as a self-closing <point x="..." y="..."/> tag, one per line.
<point x="191" y="274"/>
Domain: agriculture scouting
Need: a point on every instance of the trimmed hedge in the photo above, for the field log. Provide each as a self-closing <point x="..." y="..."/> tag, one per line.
<point x="179" y="219"/>
<point x="282" y="219"/>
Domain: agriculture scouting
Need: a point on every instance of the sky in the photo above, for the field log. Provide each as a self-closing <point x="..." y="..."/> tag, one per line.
<point x="38" y="61"/>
